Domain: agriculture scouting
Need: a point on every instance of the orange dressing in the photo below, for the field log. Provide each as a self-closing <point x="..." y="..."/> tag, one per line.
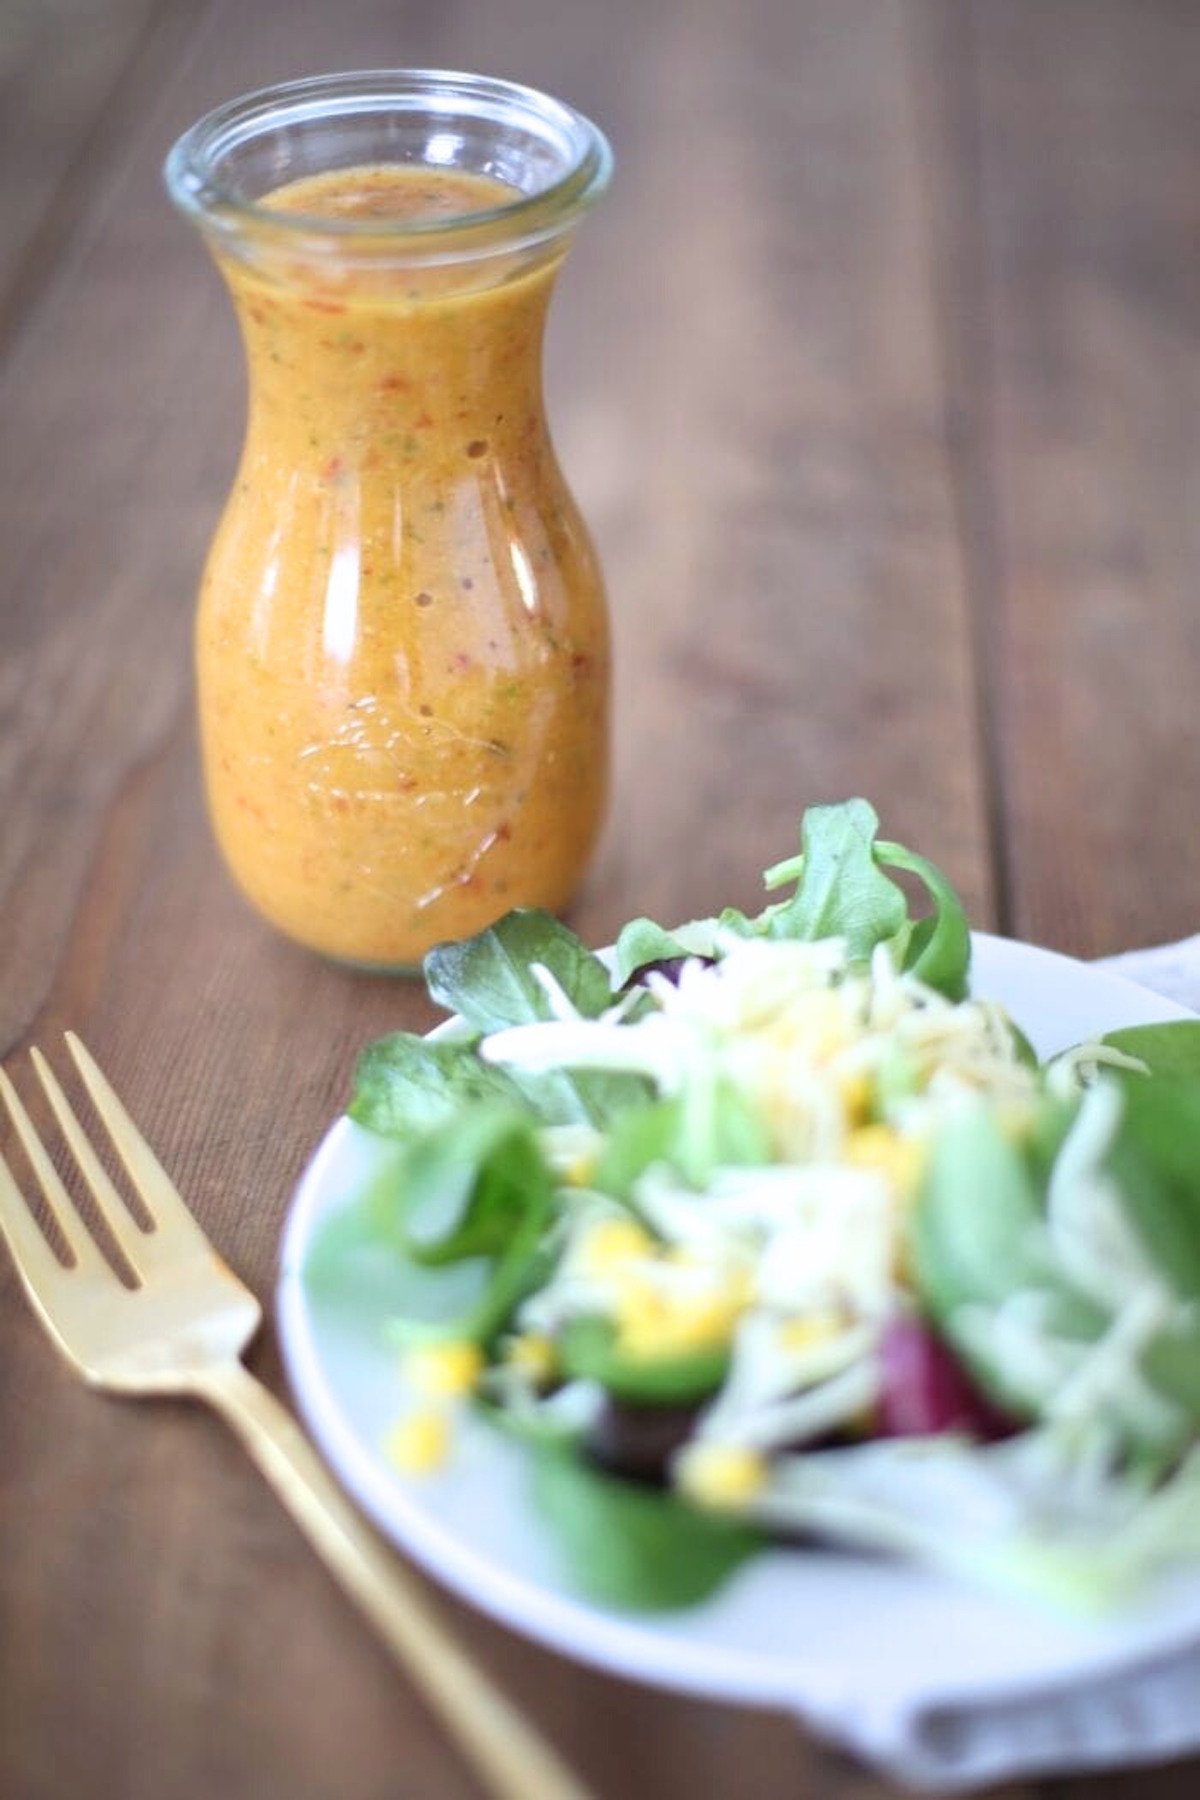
<point x="402" y="639"/>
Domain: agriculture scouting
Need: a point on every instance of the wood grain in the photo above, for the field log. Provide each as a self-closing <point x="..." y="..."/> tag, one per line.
<point x="1086" y="391"/>
<point x="752" y="394"/>
<point x="66" y="70"/>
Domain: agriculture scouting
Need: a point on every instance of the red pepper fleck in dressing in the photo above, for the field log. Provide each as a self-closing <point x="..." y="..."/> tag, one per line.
<point x="402" y="638"/>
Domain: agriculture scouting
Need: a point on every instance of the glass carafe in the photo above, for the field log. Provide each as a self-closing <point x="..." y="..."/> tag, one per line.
<point x="402" y="645"/>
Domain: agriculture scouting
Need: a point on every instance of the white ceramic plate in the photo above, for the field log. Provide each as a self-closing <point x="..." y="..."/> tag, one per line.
<point x="852" y="1643"/>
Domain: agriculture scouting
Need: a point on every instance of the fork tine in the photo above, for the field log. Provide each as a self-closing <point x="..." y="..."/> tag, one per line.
<point x="67" y="1216"/>
<point x="36" y="1262"/>
<point x="137" y="1246"/>
<point x="160" y="1197"/>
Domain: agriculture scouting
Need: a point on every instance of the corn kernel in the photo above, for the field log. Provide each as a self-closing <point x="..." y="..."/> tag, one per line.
<point x="721" y="1475"/>
<point x="641" y="1317"/>
<point x="651" y="1323"/>
<point x="532" y="1355"/>
<point x="881" y="1148"/>
<point x="420" y="1443"/>
<point x="444" y="1371"/>
<point x="613" y="1242"/>
<point x="855" y="1091"/>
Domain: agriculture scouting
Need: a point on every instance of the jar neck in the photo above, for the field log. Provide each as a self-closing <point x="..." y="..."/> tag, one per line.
<point x="387" y="371"/>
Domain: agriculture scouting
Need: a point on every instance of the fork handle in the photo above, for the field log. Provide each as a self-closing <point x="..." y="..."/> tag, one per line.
<point x="509" y="1755"/>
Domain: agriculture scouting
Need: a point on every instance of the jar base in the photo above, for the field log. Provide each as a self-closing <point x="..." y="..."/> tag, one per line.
<point x="400" y="971"/>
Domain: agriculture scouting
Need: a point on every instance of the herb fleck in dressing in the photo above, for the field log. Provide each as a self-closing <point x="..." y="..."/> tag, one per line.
<point x="402" y="639"/>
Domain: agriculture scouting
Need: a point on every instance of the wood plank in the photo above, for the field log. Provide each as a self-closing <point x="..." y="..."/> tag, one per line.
<point x="746" y="387"/>
<point x="795" y="585"/>
<point x="63" y="69"/>
<point x="1090" y="159"/>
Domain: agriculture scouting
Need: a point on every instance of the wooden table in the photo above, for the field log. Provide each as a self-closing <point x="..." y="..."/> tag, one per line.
<point x="877" y="376"/>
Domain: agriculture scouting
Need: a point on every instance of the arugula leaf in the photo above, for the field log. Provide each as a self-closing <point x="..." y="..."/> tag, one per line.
<point x="709" y="1125"/>
<point x="405" y="1084"/>
<point x="939" y="949"/>
<point x="642" y="942"/>
<point x="489" y="979"/>
<point x="1172" y="1048"/>
<point x="630" y="1546"/>
<point x="840" y="891"/>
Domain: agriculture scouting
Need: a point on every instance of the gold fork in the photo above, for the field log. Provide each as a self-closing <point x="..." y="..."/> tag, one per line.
<point x="182" y="1331"/>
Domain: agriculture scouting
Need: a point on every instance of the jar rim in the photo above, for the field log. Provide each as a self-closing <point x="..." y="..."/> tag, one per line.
<point x="195" y="182"/>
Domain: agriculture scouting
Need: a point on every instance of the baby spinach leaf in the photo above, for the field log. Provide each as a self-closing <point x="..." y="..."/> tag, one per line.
<point x="630" y="1546"/>
<point x="589" y="1351"/>
<point x="354" y="1273"/>
<point x="1156" y="1159"/>
<point x="1172" y="1048"/>
<point x="489" y="979"/>
<point x="476" y="1191"/>
<point x="405" y="1084"/>
<point x="1025" y="1052"/>
<point x="978" y="1228"/>
<point x="978" y="1236"/>
<point x="636" y="1139"/>
<point x="465" y="1188"/>
<point x="717" y="1127"/>
<point x="1172" y="1365"/>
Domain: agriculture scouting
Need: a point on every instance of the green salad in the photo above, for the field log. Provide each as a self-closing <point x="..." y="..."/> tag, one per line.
<point x="767" y="1227"/>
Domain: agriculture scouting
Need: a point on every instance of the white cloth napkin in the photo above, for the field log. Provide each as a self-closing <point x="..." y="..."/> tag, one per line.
<point x="1148" y="1713"/>
<point x="1170" y="969"/>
